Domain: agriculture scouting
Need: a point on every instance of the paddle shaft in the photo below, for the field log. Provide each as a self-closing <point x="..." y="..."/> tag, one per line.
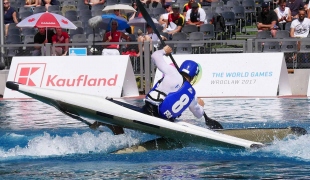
<point x="209" y="122"/>
<point x="150" y="22"/>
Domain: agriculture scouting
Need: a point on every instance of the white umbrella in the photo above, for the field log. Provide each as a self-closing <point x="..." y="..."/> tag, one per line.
<point x="123" y="7"/>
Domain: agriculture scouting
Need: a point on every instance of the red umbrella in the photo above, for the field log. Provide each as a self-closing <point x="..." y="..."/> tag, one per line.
<point x="46" y="20"/>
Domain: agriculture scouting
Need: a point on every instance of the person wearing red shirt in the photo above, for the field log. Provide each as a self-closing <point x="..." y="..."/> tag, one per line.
<point x="175" y="20"/>
<point x="113" y="36"/>
<point x="60" y="37"/>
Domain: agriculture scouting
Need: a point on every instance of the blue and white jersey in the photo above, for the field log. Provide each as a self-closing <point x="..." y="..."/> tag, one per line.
<point x="175" y="103"/>
<point x="171" y="83"/>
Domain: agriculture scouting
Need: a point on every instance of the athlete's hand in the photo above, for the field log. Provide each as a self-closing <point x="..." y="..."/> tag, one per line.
<point x="168" y="50"/>
<point x="200" y="102"/>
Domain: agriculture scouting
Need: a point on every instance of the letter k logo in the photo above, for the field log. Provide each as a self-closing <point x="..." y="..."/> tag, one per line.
<point x="24" y="75"/>
<point x="30" y="74"/>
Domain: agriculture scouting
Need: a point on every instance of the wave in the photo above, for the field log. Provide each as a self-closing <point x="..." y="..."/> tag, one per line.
<point x="87" y="142"/>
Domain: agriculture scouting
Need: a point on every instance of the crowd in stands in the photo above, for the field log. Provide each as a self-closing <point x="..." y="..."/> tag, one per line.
<point x="178" y="20"/>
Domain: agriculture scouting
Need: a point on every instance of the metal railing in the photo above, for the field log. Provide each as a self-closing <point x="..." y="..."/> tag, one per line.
<point x="144" y="69"/>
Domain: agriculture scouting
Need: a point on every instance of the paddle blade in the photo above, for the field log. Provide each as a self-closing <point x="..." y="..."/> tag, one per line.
<point x="213" y="124"/>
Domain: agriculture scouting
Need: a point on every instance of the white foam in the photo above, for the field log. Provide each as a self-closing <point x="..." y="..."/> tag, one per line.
<point x="47" y="145"/>
<point x="14" y="135"/>
<point x="294" y="147"/>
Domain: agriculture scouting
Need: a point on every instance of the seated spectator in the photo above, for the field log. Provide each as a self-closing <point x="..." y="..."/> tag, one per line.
<point x="50" y="2"/>
<point x="175" y="20"/>
<point x="188" y="6"/>
<point x="151" y="37"/>
<point x="300" y="27"/>
<point x="195" y="15"/>
<point x="9" y="16"/>
<point x="267" y="20"/>
<point x="93" y="2"/>
<point x="294" y="6"/>
<point x="283" y="13"/>
<point x="60" y="37"/>
<point x="32" y="3"/>
<point x="113" y="36"/>
<point x="42" y="38"/>
<point x="163" y="19"/>
<point x="133" y="15"/>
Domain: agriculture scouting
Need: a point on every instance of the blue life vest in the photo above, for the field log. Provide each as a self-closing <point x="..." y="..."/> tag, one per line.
<point x="172" y="105"/>
<point x="175" y="103"/>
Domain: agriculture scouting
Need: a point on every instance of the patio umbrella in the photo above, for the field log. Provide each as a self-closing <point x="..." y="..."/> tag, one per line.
<point x="123" y="7"/>
<point x="104" y="21"/>
<point x="46" y="20"/>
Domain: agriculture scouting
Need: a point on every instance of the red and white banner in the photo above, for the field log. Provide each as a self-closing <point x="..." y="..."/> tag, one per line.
<point x="240" y="74"/>
<point x="103" y="76"/>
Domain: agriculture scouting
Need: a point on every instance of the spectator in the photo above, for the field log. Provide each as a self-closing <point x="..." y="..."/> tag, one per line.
<point x="117" y="12"/>
<point x="9" y="15"/>
<point x="175" y="20"/>
<point x="195" y="15"/>
<point x="47" y="3"/>
<point x="188" y="6"/>
<point x="267" y="20"/>
<point x="32" y="3"/>
<point x="134" y="14"/>
<point x="59" y="38"/>
<point x="294" y="6"/>
<point x="113" y="36"/>
<point x="284" y="13"/>
<point x="300" y="27"/>
<point x="151" y="37"/>
<point x="50" y="2"/>
<point x="93" y="2"/>
<point x="163" y="19"/>
<point x="42" y="38"/>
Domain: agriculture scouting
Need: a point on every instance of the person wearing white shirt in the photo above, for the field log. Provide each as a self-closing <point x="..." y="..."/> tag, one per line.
<point x="300" y="28"/>
<point x="283" y="13"/>
<point x="163" y="19"/>
<point x="195" y="15"/>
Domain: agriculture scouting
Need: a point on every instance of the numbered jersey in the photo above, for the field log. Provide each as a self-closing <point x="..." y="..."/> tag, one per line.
<point x="175" y="103"/>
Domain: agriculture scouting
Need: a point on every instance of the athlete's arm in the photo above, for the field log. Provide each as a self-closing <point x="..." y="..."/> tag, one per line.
<point x="196" y="107"/>
<point x="158" y="59"/>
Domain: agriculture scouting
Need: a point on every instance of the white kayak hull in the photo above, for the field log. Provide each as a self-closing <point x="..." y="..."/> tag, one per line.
<point x="110" y="112"/>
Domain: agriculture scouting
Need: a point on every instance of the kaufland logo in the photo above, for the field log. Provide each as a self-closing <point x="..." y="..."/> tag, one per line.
<point x="34" y="75"/>
<point x="80" y="80"/>
<point x="30" y="74"/>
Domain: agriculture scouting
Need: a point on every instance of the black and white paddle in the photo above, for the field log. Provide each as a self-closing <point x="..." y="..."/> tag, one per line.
<point x="213" y="124"/>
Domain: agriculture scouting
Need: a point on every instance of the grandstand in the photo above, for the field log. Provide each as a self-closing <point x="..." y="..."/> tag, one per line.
<point x="240" y="34"/>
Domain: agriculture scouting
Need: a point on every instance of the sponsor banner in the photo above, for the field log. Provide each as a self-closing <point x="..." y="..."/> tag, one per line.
<point x="242" y="74"/>
<point x="110" y="76"/>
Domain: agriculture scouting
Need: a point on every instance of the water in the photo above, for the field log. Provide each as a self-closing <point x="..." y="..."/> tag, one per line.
<point x="38" y="142"/>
